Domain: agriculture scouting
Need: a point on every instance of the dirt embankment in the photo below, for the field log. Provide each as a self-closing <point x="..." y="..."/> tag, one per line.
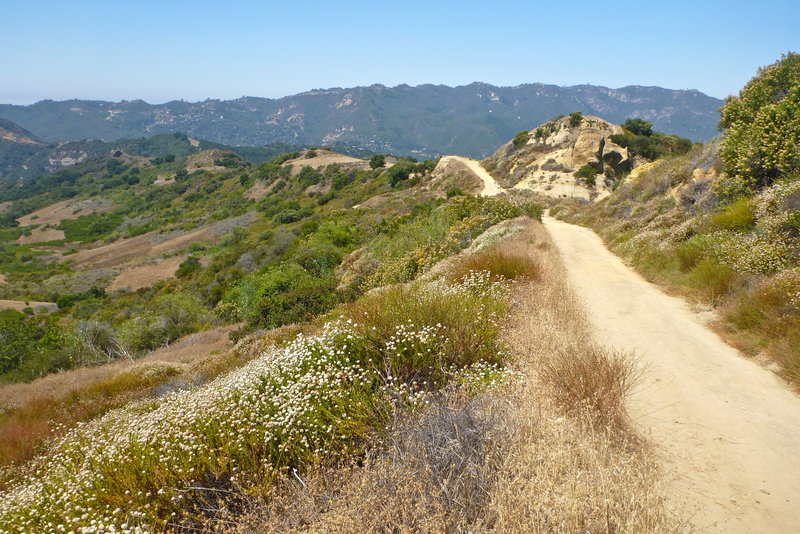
<point x="187" y="351"/>
<point x="147" y="274"/>
<point x="727" y="429"/>
<point x="325" y="158"/>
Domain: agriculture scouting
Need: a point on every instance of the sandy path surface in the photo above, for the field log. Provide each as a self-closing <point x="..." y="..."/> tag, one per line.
<point x="727" y="430"/>
<point x="490" y="186"/>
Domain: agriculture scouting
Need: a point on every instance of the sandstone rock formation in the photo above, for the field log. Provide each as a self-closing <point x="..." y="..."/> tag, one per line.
<point x="547" y="161"/>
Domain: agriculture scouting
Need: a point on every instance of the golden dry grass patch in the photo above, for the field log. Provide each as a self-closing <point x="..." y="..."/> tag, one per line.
<point x="147" y="274"/>
<point x="20" y="305"/>
<point x="66" y="209"/>
<point x="41" y="235"/>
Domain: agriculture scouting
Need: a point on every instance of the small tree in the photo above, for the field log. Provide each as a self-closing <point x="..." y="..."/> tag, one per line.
<point x="639" y="126"/>
<point x="520" y="139"/>
<point x="377" y="161"/>
<point x="575" y="119"/>
<point x="588" y="174"/>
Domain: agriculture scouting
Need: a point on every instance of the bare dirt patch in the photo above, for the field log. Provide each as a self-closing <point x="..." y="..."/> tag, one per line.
<point x="41" y="235"/>
<point x="4" y="206"/>
<point x="21" y="305"/>
<point x="260" y="190"/>
<point x="489" y="186"/>
<point x="204" y="160"/>
<point x="140" y="247"/>
<point x="324" y="158"/>
<point x="147" y="274"/>
<point x="164" y="180"/>
<point x="66" y="209"/>
<point x="151" y="244"/>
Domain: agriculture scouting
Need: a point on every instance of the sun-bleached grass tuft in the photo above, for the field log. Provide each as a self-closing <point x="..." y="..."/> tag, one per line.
<point x="503" y="262"/>
<point x="590" y="378"/>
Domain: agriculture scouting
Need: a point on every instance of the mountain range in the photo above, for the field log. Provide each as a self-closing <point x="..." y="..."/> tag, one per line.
<point x="426" y="120"/>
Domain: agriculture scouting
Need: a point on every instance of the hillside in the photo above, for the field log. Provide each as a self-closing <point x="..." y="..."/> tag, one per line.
<point x="420" y="121"/>
<point x="196" y="340"/>
<point x="16" y="133"/>
<point x="23" y="157"/>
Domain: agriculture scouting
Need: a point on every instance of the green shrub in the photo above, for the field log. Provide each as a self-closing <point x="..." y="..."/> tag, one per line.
<point x="737" y="216"/>
<point x="455" y="192"/>
<point x="534" y="210"/>
<point x="575" y="119"/>
<point x="280" y="295"/>
<point x="689" y="253"/>
<point x="65" y="301"/>
<point x="399" y="172"/>
<point x="588" y="174"/>
<point x="187" y="267"/>
<point x="32" y="346"/>
<point x="88" y="228"/>
<point x="499" y="263"/>
<point x="520" y="139"/>
<point x="163" y="320"/>
<point x="638" y="126"/>
<point x="377" y="161"/>
<point x="713" y="279"/>
<point x="463" y="325"/>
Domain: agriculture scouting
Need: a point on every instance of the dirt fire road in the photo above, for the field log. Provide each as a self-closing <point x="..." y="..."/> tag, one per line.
<point x="727" y="430"/>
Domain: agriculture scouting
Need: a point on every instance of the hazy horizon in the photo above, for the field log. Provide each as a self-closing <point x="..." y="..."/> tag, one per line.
<point x="195" y="51"/>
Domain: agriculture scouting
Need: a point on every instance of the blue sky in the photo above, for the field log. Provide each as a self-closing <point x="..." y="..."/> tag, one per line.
<point x="172" y="50"/>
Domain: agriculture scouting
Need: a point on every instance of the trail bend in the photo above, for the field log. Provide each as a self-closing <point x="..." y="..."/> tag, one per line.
<point x="727" y="431"/>
<point x="490" y="185"/>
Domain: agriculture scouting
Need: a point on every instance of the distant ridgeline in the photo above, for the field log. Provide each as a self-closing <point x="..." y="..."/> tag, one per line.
<point x="422" y="121"/>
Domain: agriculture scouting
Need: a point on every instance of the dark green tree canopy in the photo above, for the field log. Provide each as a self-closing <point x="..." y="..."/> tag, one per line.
<point x="639" y="126"/>
<point x="377" y="161"/>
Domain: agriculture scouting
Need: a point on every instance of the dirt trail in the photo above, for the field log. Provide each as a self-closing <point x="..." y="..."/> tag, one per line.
<point x="727" y="430"/>
<point x="490" y="186"/>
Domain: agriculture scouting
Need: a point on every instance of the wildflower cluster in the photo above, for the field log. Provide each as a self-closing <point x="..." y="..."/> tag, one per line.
<point x="144" y="468"/>
<point x="755" y="252"/>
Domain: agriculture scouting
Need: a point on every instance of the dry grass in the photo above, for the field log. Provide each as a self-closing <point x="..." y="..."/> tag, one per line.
<point x="503" y="261"/>
<point x="591" y="379"/>
<point x="147" y="274"/>
<point x="66" y="209"/>
<point x="551" y="453"/>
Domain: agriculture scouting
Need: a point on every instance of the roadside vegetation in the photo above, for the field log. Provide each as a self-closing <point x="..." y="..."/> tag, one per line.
<point x="722" y="222"/>
<point x="418" y="406"/>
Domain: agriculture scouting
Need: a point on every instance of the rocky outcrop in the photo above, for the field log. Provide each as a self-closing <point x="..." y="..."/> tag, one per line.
<point x="547" y="162"/>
